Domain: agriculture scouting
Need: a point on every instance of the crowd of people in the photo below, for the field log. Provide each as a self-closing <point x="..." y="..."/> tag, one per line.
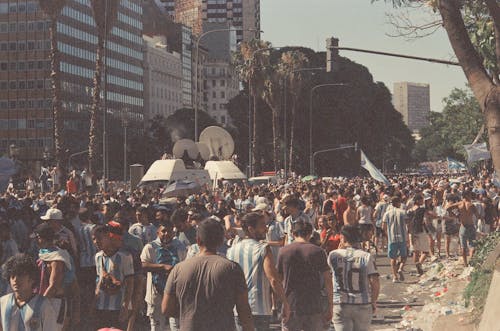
<point x="237" y="257"/>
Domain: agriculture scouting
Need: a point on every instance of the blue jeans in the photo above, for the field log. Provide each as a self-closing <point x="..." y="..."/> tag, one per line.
<point x="260" y="322"/>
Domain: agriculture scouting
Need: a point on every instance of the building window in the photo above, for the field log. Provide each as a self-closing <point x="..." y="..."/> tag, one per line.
<point x="222" y="82"/>
<point x="214" y="83"/>
<point x="214" y="106"/>
<point x="223" y="119"/>
<point x="214" y="94"/>
<point x="223" y="94"/>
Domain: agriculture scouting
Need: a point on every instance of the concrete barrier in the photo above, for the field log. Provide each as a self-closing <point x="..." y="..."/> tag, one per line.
<point x="490" y="321"/>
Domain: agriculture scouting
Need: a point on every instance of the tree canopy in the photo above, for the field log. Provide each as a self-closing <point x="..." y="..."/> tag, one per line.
<point x="360" y="112"/>
<point x="457" y="125"/>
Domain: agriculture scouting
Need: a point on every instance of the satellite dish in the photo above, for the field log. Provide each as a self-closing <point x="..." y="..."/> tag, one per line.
<point x="219" y="142"/>
<point x="185" y="146"/>
<point x="204" y="151"/>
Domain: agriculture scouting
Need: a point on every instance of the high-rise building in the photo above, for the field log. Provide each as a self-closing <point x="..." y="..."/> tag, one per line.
<point x="244" y="15"/>
<point x="162" y="79"/>
<point x="26" y="119"/>
<point x="221" y="82"/>
<point x="412" y="100"/>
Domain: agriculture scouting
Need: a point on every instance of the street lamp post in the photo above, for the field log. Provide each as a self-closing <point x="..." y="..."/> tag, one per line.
<point x="285" y="112"/>
<point x="311" y="155"/>
<point x="125" y="125"/>
<point x="196" y="73"/>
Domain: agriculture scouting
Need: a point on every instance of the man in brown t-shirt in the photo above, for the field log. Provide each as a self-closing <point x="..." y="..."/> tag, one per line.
<point x="302" y="265"/>
<point x="203" y="290"/>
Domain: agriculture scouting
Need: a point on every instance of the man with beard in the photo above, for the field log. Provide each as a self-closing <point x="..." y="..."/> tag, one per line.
<point x="158" y="258"/>
<point x="256" y="260"/>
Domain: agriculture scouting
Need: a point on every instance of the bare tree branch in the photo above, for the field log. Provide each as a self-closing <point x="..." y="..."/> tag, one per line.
<point x="410" y="24"/>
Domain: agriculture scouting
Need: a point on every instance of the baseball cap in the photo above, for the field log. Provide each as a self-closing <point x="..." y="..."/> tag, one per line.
<point x="43" y="231"/>
<point x="260" y="207"/>
<point x="52" y="214"/>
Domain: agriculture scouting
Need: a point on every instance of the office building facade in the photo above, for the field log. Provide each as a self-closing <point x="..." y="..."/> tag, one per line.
<point x="412" y="100"/>
<point x="25" y="92"/>
<point x="242" y="14"/>
<point x="163" y="78"/>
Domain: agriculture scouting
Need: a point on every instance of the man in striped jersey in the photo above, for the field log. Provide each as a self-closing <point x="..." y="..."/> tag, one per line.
<point x="143" y="228"/>
<point x="87" y="274"/>
<point x="394" y="224"/>
<point x="24" y="309"/>
<point x="256" y="260"/>
<point x="355" y="283"/>
<point x="115" y="272"/>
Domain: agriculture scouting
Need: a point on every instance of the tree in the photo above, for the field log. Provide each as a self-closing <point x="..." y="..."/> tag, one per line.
<point x="362" y="112"/>
<point x="457" y="125"/>
<point x="291" y="62"/>
<point x="252" y="64"/>
<point x="52" y="8"/>
<point x="473" y="27"/>
<point x="105" y="14"/>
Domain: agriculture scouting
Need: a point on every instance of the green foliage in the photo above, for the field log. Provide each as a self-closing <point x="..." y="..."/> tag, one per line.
<point x="456" y="126"/>
<point x="360" y="112"/>
<point x="477" y="290"/>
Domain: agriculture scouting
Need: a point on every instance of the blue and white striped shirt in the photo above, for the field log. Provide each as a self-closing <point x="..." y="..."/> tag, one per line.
<point x="351" y="268"/>
<point x="120" y="266"/>
<point x="147" y="233"/>
<point x="291" y="220"/>
<point x="87" y="247"/>
<point x="249" y="254"/>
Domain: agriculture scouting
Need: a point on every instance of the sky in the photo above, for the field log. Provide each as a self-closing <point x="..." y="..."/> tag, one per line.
<point x="362" y="24"/>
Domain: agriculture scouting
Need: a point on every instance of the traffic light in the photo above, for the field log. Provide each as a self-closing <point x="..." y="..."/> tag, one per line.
<point x="332" y="54"/>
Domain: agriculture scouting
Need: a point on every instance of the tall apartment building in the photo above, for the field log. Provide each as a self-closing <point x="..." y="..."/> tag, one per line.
<point x="26" y="118"/>
<point x="221" y="82"/>
<point x="162" y="79"/>
<point x="242" y="14"/>
<point x="221" y="85"/>
<point x="412" y="100"/>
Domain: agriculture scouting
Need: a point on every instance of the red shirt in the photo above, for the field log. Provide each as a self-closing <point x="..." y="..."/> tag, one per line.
<point x="332" y="242"/>
<point x="340" y="206"/>
<point x="71" y="186"/>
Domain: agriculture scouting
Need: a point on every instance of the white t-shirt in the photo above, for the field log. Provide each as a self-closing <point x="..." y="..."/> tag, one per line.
<point x="149" y="255"/>
<point x="365" y="214"/>
<point x="39" y="314"/>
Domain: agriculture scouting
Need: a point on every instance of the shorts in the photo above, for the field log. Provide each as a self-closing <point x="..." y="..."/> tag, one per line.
<point x="467" y="235"/>
<point x="438" y="225"/>
<point x="421" y="242"/>
<point x="450" y="228"/>
<point x="396" y="250"/>
<point x="379" y="232"/>
<point x="365" y="230"/>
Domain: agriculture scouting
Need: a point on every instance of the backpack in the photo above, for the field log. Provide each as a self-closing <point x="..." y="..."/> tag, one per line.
<point x="163" y="256"/>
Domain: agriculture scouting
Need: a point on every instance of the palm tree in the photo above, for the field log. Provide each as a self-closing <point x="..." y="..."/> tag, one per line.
<point x="272" y="95"/>
<point x="105" y="13"/>
<point x="252" y="67"/>
<point x="52" y="8"/>
<point x="291" y="62"/>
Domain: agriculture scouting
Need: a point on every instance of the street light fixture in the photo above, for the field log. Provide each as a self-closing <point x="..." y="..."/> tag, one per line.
<point x="196" y="72"/>
<point x="311" y="156"/>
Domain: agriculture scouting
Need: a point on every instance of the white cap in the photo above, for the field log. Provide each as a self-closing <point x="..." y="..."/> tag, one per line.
<point x="52" y="214"/>
<point x="260" y="207"/>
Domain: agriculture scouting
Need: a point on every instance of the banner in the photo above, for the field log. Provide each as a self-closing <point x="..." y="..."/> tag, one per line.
<point x="477" y="152"/>
<point x="455" y="165"/>
<point x="374" y="172"/>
